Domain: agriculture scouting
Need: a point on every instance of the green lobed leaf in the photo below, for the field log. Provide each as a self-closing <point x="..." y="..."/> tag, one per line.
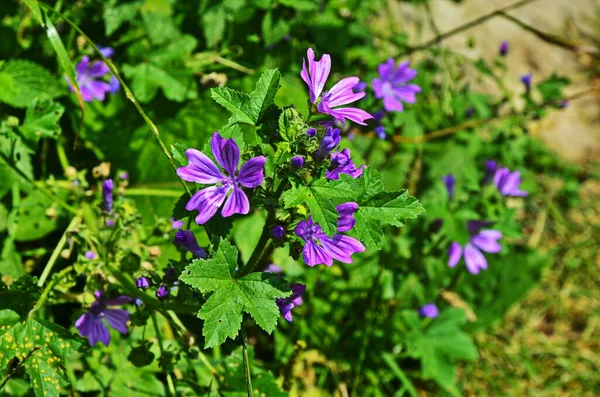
<point x="15" y="153"/>
<point x="116" y="15"/>
<point x="234" y="101"/>
<point x="22" y="82"/>
<point x="42" y="121"/>
<point x="213" y="24"/>
<point x="10" y="260"/>
<point x="254" y="294"/>
<point x="263" y="94"/>
<point x="22" y="295"/>
<point x="177" y="85"/>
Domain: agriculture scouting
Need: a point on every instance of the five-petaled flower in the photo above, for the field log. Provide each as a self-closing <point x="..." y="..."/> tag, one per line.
<point x="201" y="169"/>
<point x="508" y="182"/>
<point x="342" y="93"/>
<point x="90" y="78"/>
<point x="319" y="248"/>
<point x="481" y="240"/>
<point x="392" y="85"/>
<point x="287" y="304"/>
<point x="91" y="324"/>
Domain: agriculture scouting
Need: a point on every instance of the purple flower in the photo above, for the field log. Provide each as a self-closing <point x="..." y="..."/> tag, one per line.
<point x="484" y="240"/>
<point x="490" y="170"/>
<point x="508" y="182"/>
<point x="124" y="176"/>
<point x="319" y="248"/>
<point x="142" y="282"/>
<point x="277" y="232"/>
<point x="311" y="132"/>
<point x="392" y="85"/>
<point x="359" y="87"/>
<point x="89" y="78"/>
<point x="449" y="181"/>
<point x="342" y="164"/>
<point x="346" y="219"/>
<point x="330" y="141"/>
<point x="526" y="80"/>
<point x="202" y="170"/>
<point x="503" y="49"/>
<point x="429" y="310"/>
<point x="110" y="222"/>
<point x="340" y="94"/>
<point x="90" y="255"/>
<point x="108" y="52"/>
<point x="297" y="162"/>
<point x="380" y="132"/>
<point x="186" y="240"/>
<point x="107" y="197"/>
<point x="175" y="224"/>
<point x="273" y="268"/>
<point x="162" y="292"/>
<point x="287" y="304"/>
<point x="91" y="324"/>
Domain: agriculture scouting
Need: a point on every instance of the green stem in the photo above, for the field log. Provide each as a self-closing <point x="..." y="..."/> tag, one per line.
<point x="171" y="387"/>
<point x="49" y="287"/>
<point x="132" y="191"/>
<point x="246" y="363"/>
<point x="56" y="252"/>
<point x="62" y="156"/>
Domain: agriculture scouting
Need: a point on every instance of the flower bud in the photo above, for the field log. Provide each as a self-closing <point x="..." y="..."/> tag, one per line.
<point x="297" y="162"/>
<point x="278" y="232"/>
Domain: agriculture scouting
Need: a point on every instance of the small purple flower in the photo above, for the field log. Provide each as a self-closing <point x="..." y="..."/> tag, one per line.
<point x="90" y="255"/>
<point x="340" y="94"/>
<point x="162" y="292"/>
<point x="330" y="141"/>
<point x="176" y="224"/>
<point x="508" y="182"/>
<point x="297" y="162"/>
<point x="429" y="310"/>
<point x="380" y="132"/>
<point x="110" y="222"/>
<point x="142" y="282"/>
<point x="124" y="176"/>
<point x="450" y="182"/>
<point x="107" y="195"/>
<point x="490" y="170"/>
<point x="202" y="170"/>
<point x="503" y="49"/>
<point x="273" y="268"/>
<point x="90" y="79"/>
<point x="346" y="213"/>
<point x="287" y="304"/>
<point x="319" y="248"/>
<point x="91" y="324"/>
<point x="392" y="85"/>
<point x="311" y="132"/>
<point x="379" y="115"/>
<point x="526" y="80"/>
<point x="342" y="164"/>
<point x="483" y="240"/>
<point x="186" y="240"/>
<point x="359" y="87"/>
<point x="278" y="232"/>
<point x="108" y="52"/>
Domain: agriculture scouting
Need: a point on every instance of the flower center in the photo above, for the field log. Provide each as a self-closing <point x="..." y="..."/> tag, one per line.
<point x="387" y="88"/>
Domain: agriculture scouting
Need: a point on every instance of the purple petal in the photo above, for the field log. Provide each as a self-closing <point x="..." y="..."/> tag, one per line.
<point x="386" y="69"/>
<point x="317" y="73"/>
<point x="346" y="219"/>
<point x="200" y="169"/>
<point x="93" y="328"/>
<point x="117" y="319"/>
<point x="429" y="310"/>
<point x="108" y="52"/>
<point x="377" y="85"/>
<point x="207" y="201"/>
<point x="314" y="254"/>
<point x="474" y="259"/>
<point x="342" y="93"/>
<point x="342" y="247"/>
<point x="98" y="89"/>
<point x="98" y="69"/>
<point x="407" y="93"/>
<point x="354" y="114"/>
<point x="300" y="229"/>
<point x="226" y="152"/>
<point x="114" y="83"/>
<point x="454" y="253"/>
<point x="251" y="173"/>
<point x="487" y="240"/>
<point x="403" y="73"/>
<point x="286" y="310"/>
<point x="82" y="66"/>
<point x="391" y="104"/>
<point x="237" y="203"/>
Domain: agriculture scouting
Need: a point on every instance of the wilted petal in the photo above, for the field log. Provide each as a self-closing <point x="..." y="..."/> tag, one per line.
<point x="200" y="169"/>
<point x="474" y="259"/>
<point x="454" y="253"/>
<point x="346" y="219"/>
<point x="487" y="240"/>
<point x="207" y="201"/>
<point x="314" y="254"/>
<point x="226" y="152"/>
<point x="237" y="203"/>
<point x="117" y="319"/>
<point x="251" y="173"/>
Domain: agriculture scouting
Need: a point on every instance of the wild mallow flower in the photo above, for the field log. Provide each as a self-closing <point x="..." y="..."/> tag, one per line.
<point x="92" y="324"/>
<point x="526" y="80"/>
<point x="508" y="182"/>
<point x="186" y="240"/>
<point x="107" y="195"/>
<point x="429" y="310"/>
<point x="330" y="141"/>
<point x="342" y="164"/>
<point x="142" y="282"/>
<point x="91" y="78"/>
<point x="90" y="255"/>
<point x="287" y="304"/>
<point x="201" y="169"/>
<point x="392" y="85"/>
<point x="124" y="176"/>
<point x="503" y="49"/>
<point x="319" y="248"/>
<point x="450" y="182"/>
<point x="481" y="240"/>
<point x="277" y="232"/>
<point x="315" y="76"/>
<point x="380" y="132"/>
<point x="162" y="292"/>
<point x="297" y="162"/>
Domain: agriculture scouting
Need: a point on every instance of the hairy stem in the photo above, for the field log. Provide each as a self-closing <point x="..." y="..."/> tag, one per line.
<point x="171" y="387"/>
<point x="247" y="373"/>
<point x="56" y="252"/>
